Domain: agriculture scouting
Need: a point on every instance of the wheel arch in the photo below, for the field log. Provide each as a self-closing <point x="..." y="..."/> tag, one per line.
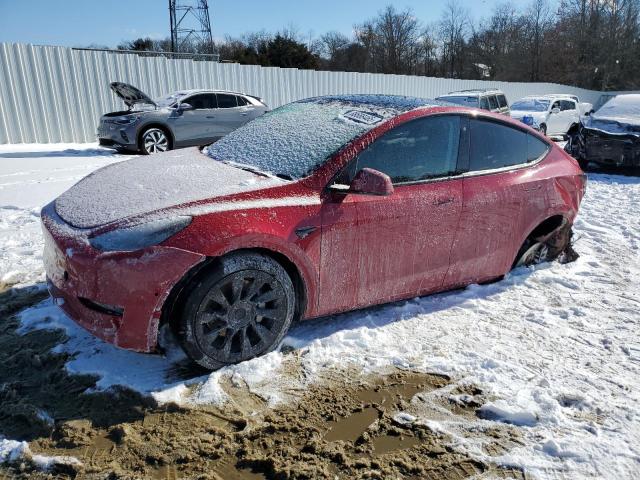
<point x="541" y="231"/>
<point x="159" y="125"/>
<point x="179" y="292"/>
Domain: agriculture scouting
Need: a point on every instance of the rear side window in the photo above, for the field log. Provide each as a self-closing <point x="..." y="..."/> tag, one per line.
<point x="493" y="103"/>
<point x="418" y="150"/>
<point x="494" y="145"/>
<point x="227" y="101"/>
<point x="536" y="148"/>
<point x="502" y="101"/>
<point x="484" y="103"/>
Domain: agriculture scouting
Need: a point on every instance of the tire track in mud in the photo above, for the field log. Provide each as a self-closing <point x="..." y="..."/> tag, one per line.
<point x="345" y="426"/>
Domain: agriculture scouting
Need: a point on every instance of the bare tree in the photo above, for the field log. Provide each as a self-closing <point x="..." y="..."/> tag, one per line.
<point x="454" y="28"/>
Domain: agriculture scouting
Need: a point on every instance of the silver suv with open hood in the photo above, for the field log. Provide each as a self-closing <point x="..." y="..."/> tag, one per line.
<point x="179" y="119"/>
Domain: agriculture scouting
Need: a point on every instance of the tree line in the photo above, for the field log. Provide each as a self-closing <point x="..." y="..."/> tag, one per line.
<point x="592" y="44"/>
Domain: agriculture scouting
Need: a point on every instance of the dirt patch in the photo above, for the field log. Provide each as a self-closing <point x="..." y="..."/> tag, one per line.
<point x="346" y="426"/>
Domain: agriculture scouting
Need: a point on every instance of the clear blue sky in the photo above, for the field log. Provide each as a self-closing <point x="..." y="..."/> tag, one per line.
<point x="108" y="22"/>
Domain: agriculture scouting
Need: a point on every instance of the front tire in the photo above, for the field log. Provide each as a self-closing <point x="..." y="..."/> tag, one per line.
<point x="154" y="140"/>
<point x="240" y="310"/>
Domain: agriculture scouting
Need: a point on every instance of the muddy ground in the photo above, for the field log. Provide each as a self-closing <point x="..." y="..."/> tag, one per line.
<point x="345" y="426"/>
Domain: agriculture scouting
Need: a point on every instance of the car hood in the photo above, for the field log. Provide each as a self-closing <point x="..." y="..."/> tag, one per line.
<point x="615" y="125"/>
<point x="130" y="95"/>
<point x="519" y="114"/>
<point x="150" y="183"/>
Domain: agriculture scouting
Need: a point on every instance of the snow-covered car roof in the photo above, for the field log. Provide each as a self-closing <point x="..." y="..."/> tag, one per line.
<point x="473" y="92"/>
<point x="293" y="140"/>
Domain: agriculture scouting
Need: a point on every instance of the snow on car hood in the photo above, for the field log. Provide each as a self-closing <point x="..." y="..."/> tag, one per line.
<point x="619" y="116"/>
<point x="149" y="183"/>
<point x="519" y="114"/>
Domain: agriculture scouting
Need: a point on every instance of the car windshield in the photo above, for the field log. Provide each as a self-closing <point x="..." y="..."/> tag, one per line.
<point x="170" y="99"/>
<point x="533" y="105"/>
<point x="467" y="101"/>
<point x="293" y="140"/>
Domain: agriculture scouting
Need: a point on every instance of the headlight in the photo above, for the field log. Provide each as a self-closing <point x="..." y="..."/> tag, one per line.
<point x="126" y="120"/>
<point x="139" y="236"/>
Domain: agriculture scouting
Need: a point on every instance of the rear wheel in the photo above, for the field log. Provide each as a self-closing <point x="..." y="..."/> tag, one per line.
<point x="239" y="310"/>
<point x="154" y="140"/>
<point x="532" y="253"/>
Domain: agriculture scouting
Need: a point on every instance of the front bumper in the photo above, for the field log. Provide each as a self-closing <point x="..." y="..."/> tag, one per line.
<point x="111" y="134"/>
<point x="612" y="150"/>
<point x="117" y="296"/>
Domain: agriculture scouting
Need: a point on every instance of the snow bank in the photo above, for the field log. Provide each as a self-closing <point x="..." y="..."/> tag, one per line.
<point x="14" y="451"/>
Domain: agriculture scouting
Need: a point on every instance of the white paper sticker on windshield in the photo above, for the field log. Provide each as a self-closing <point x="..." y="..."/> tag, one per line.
<point x="361" y="116"/>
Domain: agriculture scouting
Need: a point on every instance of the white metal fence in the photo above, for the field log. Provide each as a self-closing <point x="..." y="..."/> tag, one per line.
<point x="56" y="94"/>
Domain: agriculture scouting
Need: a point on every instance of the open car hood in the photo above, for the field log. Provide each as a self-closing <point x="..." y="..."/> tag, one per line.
<point x="151" y="183"/>
<point x="130" y="95"/>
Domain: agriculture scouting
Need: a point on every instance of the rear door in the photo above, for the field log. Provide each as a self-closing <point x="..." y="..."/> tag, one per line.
<point x="229" y="115"/>
<point x="496" y="187"/>
<point x="404" y="239"/>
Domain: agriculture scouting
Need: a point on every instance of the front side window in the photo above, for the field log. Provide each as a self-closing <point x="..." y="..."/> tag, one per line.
<point x="484" y="103"/>
<point x="494" y="145"/>
<point x="202" y="101"/>
<point x="567" y="105"/>
<point x="227" y="101"/>
<point x="418" y="150"/>
<point x="502" y="101"/>
<point x="493" y="103"/>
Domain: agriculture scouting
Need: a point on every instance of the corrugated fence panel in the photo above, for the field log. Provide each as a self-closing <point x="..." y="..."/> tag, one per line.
<point x="56" y="94"/>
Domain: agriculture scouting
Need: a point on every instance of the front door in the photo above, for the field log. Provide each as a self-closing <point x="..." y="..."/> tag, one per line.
<point x="194" y="127"/>
<point x="403" y="241"/>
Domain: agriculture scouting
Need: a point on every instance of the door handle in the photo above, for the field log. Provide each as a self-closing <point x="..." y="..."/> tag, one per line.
<point x="443" y="201"/>
<point x="211" y="116"/>
<point x="244" y="114"/>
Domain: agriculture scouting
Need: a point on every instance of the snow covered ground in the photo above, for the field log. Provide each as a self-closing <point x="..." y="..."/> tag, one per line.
<point x="556" y="348"/>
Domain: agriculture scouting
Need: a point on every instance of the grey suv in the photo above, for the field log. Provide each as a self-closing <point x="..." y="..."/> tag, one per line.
<point x="490" y="99"/>
<point x="180" y="119"/>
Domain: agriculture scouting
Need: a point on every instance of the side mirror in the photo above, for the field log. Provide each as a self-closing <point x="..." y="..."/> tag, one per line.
<point x="371" y="182"/>
<point x="183" y="107"/>
<point x="555" y="110"/>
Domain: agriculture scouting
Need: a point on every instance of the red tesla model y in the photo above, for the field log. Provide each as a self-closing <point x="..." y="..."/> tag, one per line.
<point x="324" y="205"/>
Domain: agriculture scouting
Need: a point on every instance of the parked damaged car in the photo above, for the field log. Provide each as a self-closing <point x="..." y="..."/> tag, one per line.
<point x="321" y="206"/>
<point x="179" y="119"/>
<point x="610" y="136"/>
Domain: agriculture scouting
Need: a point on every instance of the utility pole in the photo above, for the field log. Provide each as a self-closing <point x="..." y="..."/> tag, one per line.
<point x="190" y="25"/>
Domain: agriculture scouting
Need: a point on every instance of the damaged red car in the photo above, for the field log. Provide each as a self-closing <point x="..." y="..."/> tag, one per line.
<point x="321" y="206"/>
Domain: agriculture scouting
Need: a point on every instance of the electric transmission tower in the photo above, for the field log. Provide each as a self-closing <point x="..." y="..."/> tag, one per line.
<point x="190" y="25"/>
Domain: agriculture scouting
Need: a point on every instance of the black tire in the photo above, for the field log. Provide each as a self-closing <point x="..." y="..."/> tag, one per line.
<point x="240" y="309"/>
<point x="531" y="253"/>
<point x="154" y="140"/>
<point x="543" y="129"/>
